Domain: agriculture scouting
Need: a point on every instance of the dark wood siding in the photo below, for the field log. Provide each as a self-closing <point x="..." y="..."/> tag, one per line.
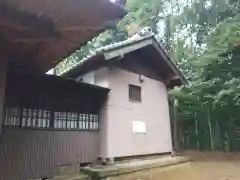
<point x="140" y="63"/>
<point x="37" y="153"/>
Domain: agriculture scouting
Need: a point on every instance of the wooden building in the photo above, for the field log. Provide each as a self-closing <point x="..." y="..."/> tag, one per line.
<point x="44" y="118"/>
<point x="134" y="119"/>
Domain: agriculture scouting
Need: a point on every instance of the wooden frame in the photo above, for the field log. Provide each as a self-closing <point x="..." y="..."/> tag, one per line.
<point x="51" y="102"/>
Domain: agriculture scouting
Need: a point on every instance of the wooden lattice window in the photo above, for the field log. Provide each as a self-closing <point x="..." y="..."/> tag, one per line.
<point x="135" y="93"/>
<point x="40" y="118"/>
<point x="26" y="117"/>
<point x="77" y="121"/>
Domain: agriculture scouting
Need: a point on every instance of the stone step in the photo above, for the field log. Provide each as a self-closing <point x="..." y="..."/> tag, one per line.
<point x="101" y="172"/>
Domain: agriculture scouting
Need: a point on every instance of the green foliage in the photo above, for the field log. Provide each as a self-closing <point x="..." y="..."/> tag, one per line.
<point x="209" y="105"/>
<point x="141" y="13"/>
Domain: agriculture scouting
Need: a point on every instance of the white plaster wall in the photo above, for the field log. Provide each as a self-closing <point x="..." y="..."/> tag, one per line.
<point x="101" y="79"/>
<point x="118" y="138"/>
<point x="87" y="78"/>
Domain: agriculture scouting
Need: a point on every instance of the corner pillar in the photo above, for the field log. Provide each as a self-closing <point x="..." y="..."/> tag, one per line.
<point x="3" y="83"/>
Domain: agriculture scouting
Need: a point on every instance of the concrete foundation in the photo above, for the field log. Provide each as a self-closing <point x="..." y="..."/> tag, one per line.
<point x="106" y="172"/>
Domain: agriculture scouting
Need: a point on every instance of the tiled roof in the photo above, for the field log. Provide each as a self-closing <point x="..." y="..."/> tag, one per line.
<point x="129" y="41"/>
<point x="103" y="49"/>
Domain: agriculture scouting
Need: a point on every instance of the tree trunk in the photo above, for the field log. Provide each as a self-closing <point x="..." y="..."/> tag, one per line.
<point x="54" y="71"/>
<point x="210" y="131"/>
<point x="219" y="136"/>
<point x="197" y="133"/>
<point x="231" y="133"/>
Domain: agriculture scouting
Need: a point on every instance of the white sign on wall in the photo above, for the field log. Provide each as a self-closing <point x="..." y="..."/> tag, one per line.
<point x="139" y="127"/>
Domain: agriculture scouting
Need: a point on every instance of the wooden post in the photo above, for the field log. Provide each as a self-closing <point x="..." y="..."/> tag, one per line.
<point x="52" y="118"/>
<point x="21" y="115"/>
<point x="3" y="84"/>
<point x="175" y="125"/>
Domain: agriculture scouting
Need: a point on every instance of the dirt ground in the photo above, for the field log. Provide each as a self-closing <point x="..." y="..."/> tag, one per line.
<point x="204" y="166"/>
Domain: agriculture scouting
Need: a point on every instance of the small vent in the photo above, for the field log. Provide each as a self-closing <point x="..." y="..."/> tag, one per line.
<point x="135" y="93"/>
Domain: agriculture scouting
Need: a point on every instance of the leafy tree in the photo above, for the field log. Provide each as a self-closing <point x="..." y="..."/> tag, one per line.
<point x="141" y="13"/>
<point x="212" y="99"/>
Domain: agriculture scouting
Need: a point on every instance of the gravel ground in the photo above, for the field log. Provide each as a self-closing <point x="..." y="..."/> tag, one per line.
<point x="205" y="166"/>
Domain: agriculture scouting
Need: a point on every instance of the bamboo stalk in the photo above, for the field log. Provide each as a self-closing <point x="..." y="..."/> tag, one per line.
<point x="196" y="133"/>
<point x="210" y="131"/>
